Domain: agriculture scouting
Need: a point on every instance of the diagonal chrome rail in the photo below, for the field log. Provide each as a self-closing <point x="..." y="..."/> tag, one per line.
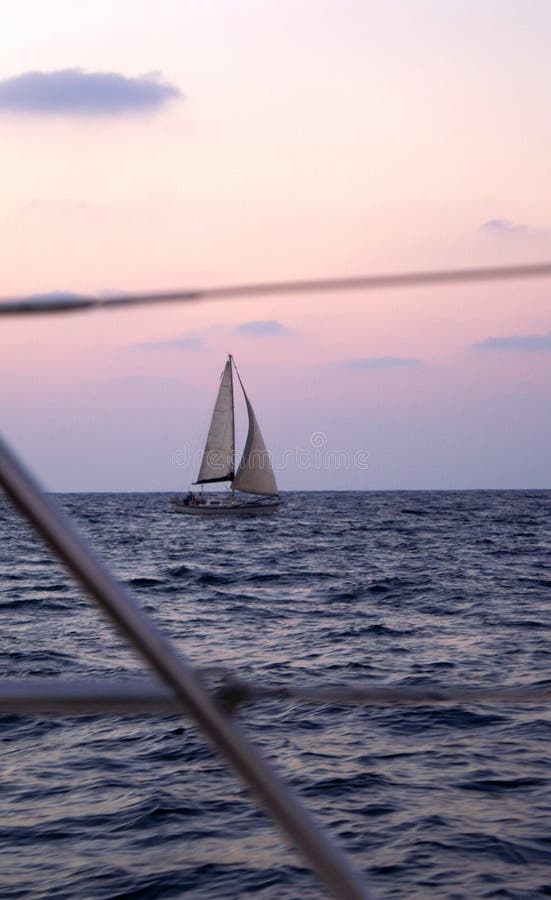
<point x="281" y="803"/>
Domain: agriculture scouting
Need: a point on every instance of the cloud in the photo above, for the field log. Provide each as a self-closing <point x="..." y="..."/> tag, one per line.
<point x="181" y="343"/>
<point x="267" y="328"/>
<point x="503" y="227"/>
<point x="76" y="92"/>
<point x="521" y="343"/>
<point x="383" y="362"/>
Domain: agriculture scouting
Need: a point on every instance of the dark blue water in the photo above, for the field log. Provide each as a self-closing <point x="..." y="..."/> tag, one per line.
<point x="408" y="588"/>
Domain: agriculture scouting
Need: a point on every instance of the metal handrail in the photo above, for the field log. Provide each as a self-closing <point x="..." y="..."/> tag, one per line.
<point x="135" y="696"/>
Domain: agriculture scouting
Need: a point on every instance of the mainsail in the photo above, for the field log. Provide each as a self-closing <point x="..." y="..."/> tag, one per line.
<point x="218" y="457"/>
<point x="255" y="474"/>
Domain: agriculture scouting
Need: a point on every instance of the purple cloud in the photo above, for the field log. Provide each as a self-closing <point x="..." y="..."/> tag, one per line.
<point x="76" y="92"/>
<point x="503" y="227"/>
<point x="266" y="328"/>
<point x="522" y="343"/>
<point x="182" y="343"/>
<point x="383" y="362"/>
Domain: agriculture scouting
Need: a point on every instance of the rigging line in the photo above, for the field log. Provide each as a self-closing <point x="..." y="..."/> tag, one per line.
<point x="77" y="303"/>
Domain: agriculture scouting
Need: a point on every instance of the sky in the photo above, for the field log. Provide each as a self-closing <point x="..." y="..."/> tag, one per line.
<point x="159" y="145"/>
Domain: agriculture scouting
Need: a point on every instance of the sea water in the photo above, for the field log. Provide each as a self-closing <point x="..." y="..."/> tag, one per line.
<point x="442" y="588"/>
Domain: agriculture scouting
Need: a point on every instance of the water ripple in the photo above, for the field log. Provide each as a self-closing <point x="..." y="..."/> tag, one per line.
<point x="403" y="588"/>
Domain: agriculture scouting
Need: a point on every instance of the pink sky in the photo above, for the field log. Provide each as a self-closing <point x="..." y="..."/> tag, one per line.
<point x="312" y="139"/>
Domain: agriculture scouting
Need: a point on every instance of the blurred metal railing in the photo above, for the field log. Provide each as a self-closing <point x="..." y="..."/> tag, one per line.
<point x="62" y="303"/>
<point x="131" y="696"/>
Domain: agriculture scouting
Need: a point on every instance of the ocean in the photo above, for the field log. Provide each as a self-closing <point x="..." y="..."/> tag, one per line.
<point x="406" y="588"/>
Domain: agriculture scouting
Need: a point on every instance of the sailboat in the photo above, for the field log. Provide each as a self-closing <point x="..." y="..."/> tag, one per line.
<point x="254" y="475"/>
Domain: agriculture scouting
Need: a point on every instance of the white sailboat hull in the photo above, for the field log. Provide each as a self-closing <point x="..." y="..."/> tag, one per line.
<point x="226" y="509"/>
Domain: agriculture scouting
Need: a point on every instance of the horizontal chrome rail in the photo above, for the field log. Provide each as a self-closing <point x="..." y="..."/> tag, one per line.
<point x="52" y="696"/>
<point x="244" y="692"/>
<point x="137" y="696"/>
